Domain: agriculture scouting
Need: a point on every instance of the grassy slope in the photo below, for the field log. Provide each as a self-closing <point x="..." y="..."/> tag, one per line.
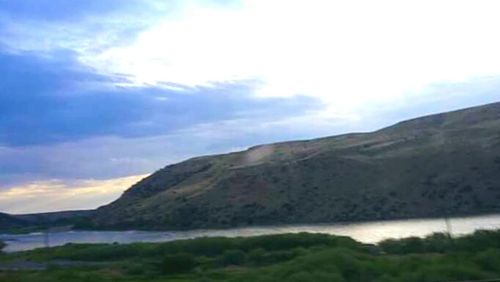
<point x="431" y="166"/>
<point x="292" y="257"/>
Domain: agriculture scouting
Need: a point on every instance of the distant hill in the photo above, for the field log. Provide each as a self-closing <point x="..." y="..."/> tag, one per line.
<point x="62" y="220"/>
<point x="54" y="217"/>
<point x="444" y="164"/>
<point x="7" y="221"/>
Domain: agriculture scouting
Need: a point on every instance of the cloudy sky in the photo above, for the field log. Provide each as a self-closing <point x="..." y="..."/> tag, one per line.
<point x="96" y="94"/>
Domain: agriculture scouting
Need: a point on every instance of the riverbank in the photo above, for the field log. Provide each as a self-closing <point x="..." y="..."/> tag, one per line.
<point x="288" y="257"/>
<point x="367" y="232"/>
<point x="79" y="223"/>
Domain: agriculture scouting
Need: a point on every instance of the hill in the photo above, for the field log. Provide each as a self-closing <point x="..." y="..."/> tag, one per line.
<point x="63" y="220"/>
<point x="54" y="217"/>
<point x="444" y="164"/>
<point x="7" y="221"/>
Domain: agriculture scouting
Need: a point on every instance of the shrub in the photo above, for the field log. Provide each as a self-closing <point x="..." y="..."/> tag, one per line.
<point x="303" y="276"/>
<point x="2" y="245"/>
<point x="280" y="256"/>
<point x="101" y="252"/>
<point x="178" y="263"/>
<point x="135" y="270"/>
<point x="403" y="246"/>
<point x="479" y="241"/>
<point x="257" y="256"/>
<point x="488" y="260"/>
<point x="290" y="241"/>
<point x="262" y="257"/>
<point x="233" y="257"/>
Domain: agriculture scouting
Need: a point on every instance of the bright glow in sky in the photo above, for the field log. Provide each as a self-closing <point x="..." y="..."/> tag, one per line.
<point x="347" y="52"/>
<point x="94" y="92"/>
<point x="56" y="195"/>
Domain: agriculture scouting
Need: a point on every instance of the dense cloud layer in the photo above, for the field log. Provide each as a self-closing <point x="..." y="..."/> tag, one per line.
<point x="54" y="99"/>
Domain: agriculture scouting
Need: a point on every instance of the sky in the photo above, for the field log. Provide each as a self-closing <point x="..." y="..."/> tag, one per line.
<point x="97" y="94"/>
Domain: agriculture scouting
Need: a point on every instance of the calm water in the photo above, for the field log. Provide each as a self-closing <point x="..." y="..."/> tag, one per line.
<point x="369" y="232"/>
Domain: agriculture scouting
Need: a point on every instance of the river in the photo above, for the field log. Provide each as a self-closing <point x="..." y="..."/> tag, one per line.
<point x="367" y="232"/>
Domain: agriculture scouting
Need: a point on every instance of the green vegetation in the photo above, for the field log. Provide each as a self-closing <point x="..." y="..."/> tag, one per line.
<point x="2" y="245"/>
<point x="178" y="263"/>
<point x="290" y="257"/>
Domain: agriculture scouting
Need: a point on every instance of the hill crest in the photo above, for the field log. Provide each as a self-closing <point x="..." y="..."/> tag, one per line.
<point x="443" y="164"/>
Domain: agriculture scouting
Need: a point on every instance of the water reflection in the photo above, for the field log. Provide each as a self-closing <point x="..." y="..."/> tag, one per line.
<point x="367" y="232"/>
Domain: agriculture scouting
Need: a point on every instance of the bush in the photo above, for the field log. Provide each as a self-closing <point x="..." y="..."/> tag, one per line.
<point x="178" y="263"/>
<point x="257" y="256"/>
<point x="233" y="257"/>
<point x="403" y="246"/>
<point x="135" y="270"/>
<point x="2" y="245"/>
<point x="303" y="276"/>
<point x="262" y="257"/>
<point x="200" y="247"/>
<point x="479" y="241"/>
<point x="488" y="260"/>
<point x="291" y="241"/>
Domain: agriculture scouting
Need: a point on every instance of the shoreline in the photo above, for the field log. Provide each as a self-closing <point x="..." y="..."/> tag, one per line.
<point x="366" y="232"/>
